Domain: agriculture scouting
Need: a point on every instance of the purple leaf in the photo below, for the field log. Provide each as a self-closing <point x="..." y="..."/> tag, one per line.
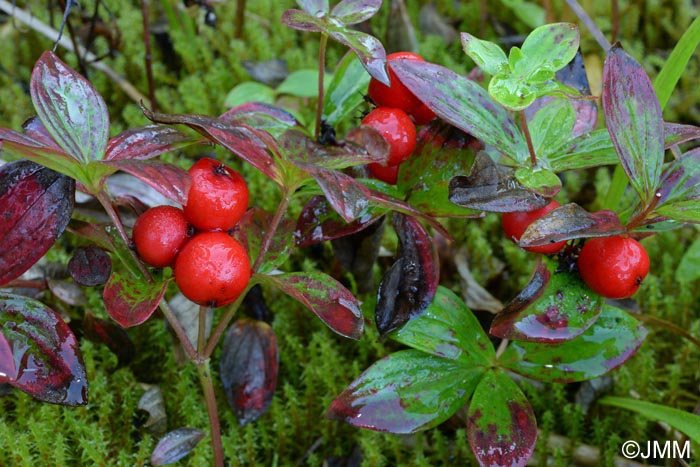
<point x="248" y="368"/>
<point x="368" y="49"/>
<point x="317" y="8"/>
<point x="634" y="121"/>
<point x="167" y="179"/>
<point x="464" y="104"/>
<point x="36" y="130"/>
<point x="8" y="370"/>
<point x="613" y="338"/>
<point x="325" y="296"/>
<point x="555" y="306"/>
<point x="308" y="154"/>
<point x="349" y="198"/>
<point x="175" y="445"/>
<point x="250" y="231"/>
<point x="501" y="425"/>
<point x="681" y="179"/>
<point x="261" y="116"/>
<point x="492" y="188"/>
<point x="36" y="204"/>
<point x="355" y="11"/>
<point x="46" y="355"/>
<point x="146" y="142"/>
<point x="112" y="335"/>
<point x="70" y="108"/>
<point x="568" y="222"/>
<point x="90" y="266"/>
<point x="408" y="288"/>
<point x="302" y="21"/>
<point x="33" y="140"/>
<point x="130" y="302"/>
<point x="406" y="392"/>
<point x="676" y="133"/>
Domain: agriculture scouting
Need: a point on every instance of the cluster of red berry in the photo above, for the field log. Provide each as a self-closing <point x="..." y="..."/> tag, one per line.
<point x="397" y="113"/>
<point x="210" y="267"/>
<point x="613" y="266"/>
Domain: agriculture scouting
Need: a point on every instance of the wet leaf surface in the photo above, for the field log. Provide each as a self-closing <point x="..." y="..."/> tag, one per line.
<point x="36" y="204"/>
<point x="568" y="222"/>
<point x="175" y="445"/>
<point x="250" y="231"/>
<point x="70" y="108"/>
<point x="349" y="197"/>
<point x="248" y="368"/>
<point x="325" y="296"/>
<point x="634" y="121"/>
<point x="680" y="189"/>
<point x="67" y="292"/>
<point x="448" y="329"/>
<point x="358" y="253"/>
<point x="261" y="116"/>
<point x="90" y="266"/>
<point x="146" y="142"/>
<point x="555" y="306"/>
<point x="492" y="188"/>
<point x="607" y="344"/>
<point x="112" y="335"/>
<point x="406" y="392"/>
<point x="167" y="179"/>
<point x="501" y="426"/>
<point x="129" y="301"/>
<point x="46" y="356"/>
<point x="355" y="11"/>
<point x="541" y="181"/>
<point x="408" y="288"/>
<point x="346" y="89"/>
<point x="309" y="155"/>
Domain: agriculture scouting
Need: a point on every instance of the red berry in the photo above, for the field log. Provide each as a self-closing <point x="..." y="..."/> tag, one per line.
<point x="398" y="130"/>
<point x="158" y="235"/>
<point x="218" y="196"/>
<point x="515" y="223"/>
<point x="385" y="173"/>
<point x="422" y="115"/>
<point x="212" y="269"/>
<point x="397" y="95"/>
<point x="613" y="267"/>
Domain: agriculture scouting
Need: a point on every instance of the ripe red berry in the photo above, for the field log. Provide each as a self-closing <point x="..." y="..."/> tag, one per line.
<point x="515" y="223"/>
<point x="398" y="130"/>
<point x="613" y="267"/>
<point x="159" y="234"/>
<point x="385" y="173"/>
<point x="218" y="196"/>
<point x="212" y="269"/>
<point x="422" y="114"/>
<point x="397" y="95"/>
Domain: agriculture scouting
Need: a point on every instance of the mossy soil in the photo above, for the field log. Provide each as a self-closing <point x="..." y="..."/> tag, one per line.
<point x="315" y="364"/>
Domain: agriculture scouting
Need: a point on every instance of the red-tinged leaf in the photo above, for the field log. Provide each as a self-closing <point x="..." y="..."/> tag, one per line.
<point x="613" y="338"/>
<point x="681" y="179"/>
<point x="175" y="445"/>
<point x="54" y="159"/>
<point x="555" y="306"/>
<point x="634" y="121"/>
<point x="35" y="141"/>
<point x="376" y="147"/>
<point x="368" y="49"/>
<point x="408" y="288"/>
<point x="67" y="292"/>
<point x="308" y="154"/>
<point x="349" y="198"/>
<point x="382" y="200"/>
<point x="8" y="370"/>
<point x="112" y="335"/>
<point x="167" y="179"/>
<point x="130" y="302"/>
<point x="35" y="129"/>
<point x="146" y="142"/>
<point x="92" y="232"/>
<point x="248" y="368"/>
<point x="250" y="231"/>
<point x="261" y="116"/>
<point x="358" y="253"/>
<point x="36" y="204"/>
<point x="70" y="108"/>
<point x="492" y="188"/>
<point x="90" y="266"/>
<point x="676" y="133"/>
<point x="302" y="21"/>
<point x="406" y="392"/>
<point x="325" y="296"/>
<point x="318" y="223"/>
<point x="568" y="222"/>
<point x="355" y="11"/>
<point x="501" y="425"/>
<point x="464" y="104"/>
<point x="47" y="360"/>
<point x="241" y="140"/>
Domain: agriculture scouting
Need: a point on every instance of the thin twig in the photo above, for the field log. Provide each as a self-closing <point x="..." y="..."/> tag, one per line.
<point x="148" y="57"/>
<point x="590" y="25"/>
<point x="47" y="31"/>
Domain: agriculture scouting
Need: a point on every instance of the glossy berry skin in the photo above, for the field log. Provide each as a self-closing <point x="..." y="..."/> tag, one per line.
<point x="159" y="234"/>
<point x="212" y="269"/>
<point x="386" y="173"/>
<point x="422" y="115"/>
<point x="398" y="130"/>
<point x="613" y="267"/>
<point x="515" y="223"/>
<point x="397" y="95"/>
<point x="218" y="196"/>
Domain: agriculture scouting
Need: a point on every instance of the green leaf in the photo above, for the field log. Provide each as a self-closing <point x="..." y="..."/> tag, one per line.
<point x="689" y="267"/>
<point x="613" y="338"/>
<point x="685" y="422"/>
<point x="355" y="11"/>
<point x="447" y="329"/>
<point x="487" y="55"/>
<point x="302" y="83"/>
<point x="511" y="92"/>
<point x="540" y="180"/>
<point x="249" y="91"/>
<point x="676" y="63"/>
<point x="551" y="127"/>
<point x="589" y="150"/>
<point x="406" y="392"/>
<point x="501" y="425"/>
<point x="53" y="159"/>
<point x="346" y="90"/>
<point x="682" y="211"/>
<point x="548" y="47"/>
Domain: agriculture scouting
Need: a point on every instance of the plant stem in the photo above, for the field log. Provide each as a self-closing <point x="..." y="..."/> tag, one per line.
<point x="201" y="331"/>
<point x="321" y="73"/>
<point x="240" y="19"/>
<point x="528" y="138"/>
<point x="207" y="383"/>
<point x="272" y="229"/>
<point x="147" y="55"/>
<point x="179" y="331"/>
<point x="590" y="25"/>
<point x="223" y="323"/>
